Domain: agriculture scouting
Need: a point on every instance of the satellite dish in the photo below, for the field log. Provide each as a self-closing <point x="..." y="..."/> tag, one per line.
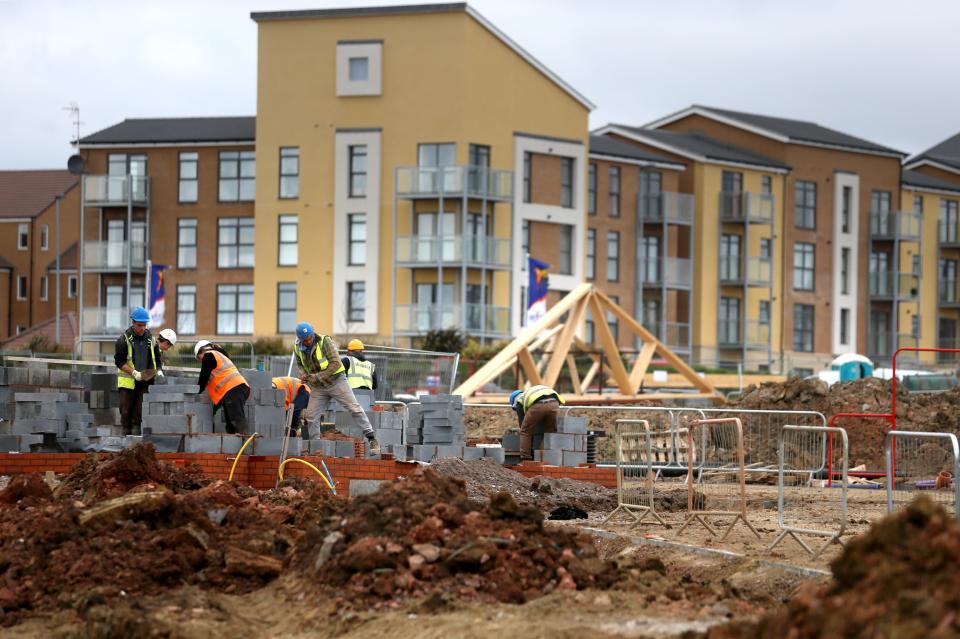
<point x="76" y="165"/>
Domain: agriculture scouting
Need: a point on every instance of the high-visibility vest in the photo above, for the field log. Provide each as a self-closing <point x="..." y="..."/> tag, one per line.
<point x="361" y="373"/>
<point x="534" y="393"/>
<point x="126" y="380"/>
<point x="316" y="358"/>
<point x="291" y="388"/>
<point x="224" y="377"/>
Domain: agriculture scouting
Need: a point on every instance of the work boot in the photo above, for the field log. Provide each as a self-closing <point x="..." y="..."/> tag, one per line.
<point x="373" y="446"/>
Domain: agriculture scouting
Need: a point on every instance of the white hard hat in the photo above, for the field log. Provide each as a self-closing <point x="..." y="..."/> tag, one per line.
<point x="200" y="345"/>
<point x="169" y="334"/>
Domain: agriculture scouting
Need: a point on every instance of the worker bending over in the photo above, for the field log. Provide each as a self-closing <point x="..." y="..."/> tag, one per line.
<point x="294" y="392"/>
<point x="360" y="372"/>
<point x="534" y="406"/>
<point x="224" y="383"/>
<point x="138" y="358"/>
<point x="322" y="370"/>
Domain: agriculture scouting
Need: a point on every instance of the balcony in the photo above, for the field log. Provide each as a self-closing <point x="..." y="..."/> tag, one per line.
<point x="890" y="286"/>
<point x="948" y="358"/>
<point x="115" y="190"/>
<point x="475" y="250"/>
<point x="106" y="257"/>
<point x="100" y="320"/>
<point x="674" y="208"/>
<point x="672" y="272"/>
<point x="758" y="271"/>
<point x="740" y="334"/>
<point x="475" y="319"/>
<point x="453" y="181"/>
<point x="948" y="293"/>
<point x="893" y="225"/>
<point x="883" y="344"/>
<point x="948" y="234"/>
<point x="750" y="208"/>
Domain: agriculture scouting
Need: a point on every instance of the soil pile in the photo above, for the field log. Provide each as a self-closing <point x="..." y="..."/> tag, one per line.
<point x="139" y="530"/>
<point x="898" y="580"/>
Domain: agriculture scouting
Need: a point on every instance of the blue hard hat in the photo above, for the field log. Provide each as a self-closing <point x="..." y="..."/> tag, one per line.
<point x="139" y="314"/>
<point x="514" y="395"/>
<point x="304" y="330"/>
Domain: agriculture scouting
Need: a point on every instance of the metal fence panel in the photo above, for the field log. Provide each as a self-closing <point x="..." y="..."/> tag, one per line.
<point x="636" y="455"/>
<point x="922" y="463"/>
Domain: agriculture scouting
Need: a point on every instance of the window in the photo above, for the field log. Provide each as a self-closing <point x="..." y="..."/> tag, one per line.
<point x="357" y="240"/>
<point x="882" y="221"/>
<point x="614" y="189"/>
<point x="803" y="328"/>
<point x="235" y="242"/>
<point x="432" y="155"/>
<point x="766" y="186"/>
<point x="565" y="266"/>
<point x="359" y="69"/>
<point x="915" y="326"/>
<point x="527" y="161"/>
<point x="21" y="287"/>
<point x="613" y="256"/>
<point x="72" y="286"/>
<point x="729" y="326"/>
<point x="844" y="271"/>
<point x="916" y="265"/>
<point x="358" y="170"/>
<point x="237" y="176"/>
<point x="235" y="309"/>
<point x="805" y="205"/>
<point x="948" y="221"/>
<point x="879" y="269"/>
<point x="289" y="172"/>
<point x="731" y="185"/>
<point x="729" y="257"/>
<point x="525" y="240"/>
<point x="23" y="236"/>
<point x="589" y="330"/>
<point x="803" y="266"/>
<point x="845" y="207"/>
<point x="187" y="309"/>
<point x="44" y="288"/>
<point x="613" y="322"/>
<point x="918" y="204"/>
<point x="44" y="237"/>
<point x="844" y="326"/>
<point x="479" y="156"/>
<point x="356" y="301"/>
<point x="763" y="316"/>
<point x="566" y="182"/>
<point x="592" y="189"/>
<point x="591" y="254"/>
<point x="479" y="167"/>
<point x="187" y="190"/>
<point x="287" y="254"/>
<point x="187" y="243"/>
<point x="649" y="258"/>
<point x="286" y="307"/>
<point x="766" y="248"/>
<point x="651" y="317"/>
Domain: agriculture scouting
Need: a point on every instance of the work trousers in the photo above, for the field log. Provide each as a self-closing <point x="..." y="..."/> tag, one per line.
<point x="234" y="409"/>
<point x="320" y="398"/>
<point x="131" y="407"/>
<point x="543" y="412"/>
<point x="300" y="402"/>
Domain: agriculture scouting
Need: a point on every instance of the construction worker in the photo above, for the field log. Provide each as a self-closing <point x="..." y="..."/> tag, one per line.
<point x="321" y="368"/>
<point x="223" y="382"/>
<point x="535" y="406"/>
<point x="360" y="372"/>
<point x="165" y="341"/>
<point x="295" y="392"/>
<point x="138" y="358"/>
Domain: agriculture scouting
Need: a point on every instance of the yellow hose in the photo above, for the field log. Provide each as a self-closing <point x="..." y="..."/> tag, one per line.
<point x="239" y="454"/>
<point x="305" y="463"/>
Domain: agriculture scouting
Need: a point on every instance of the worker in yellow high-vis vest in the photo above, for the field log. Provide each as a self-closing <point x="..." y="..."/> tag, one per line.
<point x="535" y="406"/>
<point x="360" y="372"/>
<point x="138" y="358"/>
<point x="322" y="370"/>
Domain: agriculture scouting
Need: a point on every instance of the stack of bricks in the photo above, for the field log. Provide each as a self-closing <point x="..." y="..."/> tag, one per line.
<point x="439" y="431"/>
<point x="566" y="447"/>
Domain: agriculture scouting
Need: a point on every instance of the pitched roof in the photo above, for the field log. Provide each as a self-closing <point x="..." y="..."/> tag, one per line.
<point x="47" y="330"/>
<point x="5" y="265"/>
<point x="448" y="7"/>
<point x="169" y="130"/>
<point x="924" y="181"/>
<point x="783" y="129"/>
<point x="68" y="259"/>
<point x="607" y="145"/>
<point x="28" y="193"/>
<point x="946" y="153"/>
<point x="696" y="146"/>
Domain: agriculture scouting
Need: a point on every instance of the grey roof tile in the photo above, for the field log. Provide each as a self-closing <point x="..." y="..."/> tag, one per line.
<point x="701" y="145"/>
<point x="606" y="145"/>
<point x="160" y="130"/>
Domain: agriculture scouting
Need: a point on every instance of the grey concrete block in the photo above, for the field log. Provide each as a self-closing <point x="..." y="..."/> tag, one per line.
<point x="472" y="453"/>
<point x="572" y="425"/>
<point x="165" y="397"/>
<point x="29" y="443"/>
<point x="510" y="442"/>
<point x="444" y="452"/>
<point x="580" y="443"/>
<point x="494" y="453"/>
<point x="29" y="426"/>
<point x="359" y="487"/>
<point x="103" y="381"/>
<point x="550" y="457"/>
<point x="9" y="443"/>
<point x="38" y="376"/>
<point x="257" y="379"/>
<point x="559" y="441"/>
<point x="574" y="458"/>
<point x="79" y="420"/>
<point x="166" y="423"/>
<point x="202" y="443"/>
<point x="165" y="443"/>
<point x="3" y="376"/>
<point x="389" y="437"/>
<point x="424" y="453"/>
<point x="40" y="397"/>
<point x="323" y="447"/>
<point x="168" y="389"/>
<point x="344" y="448"/>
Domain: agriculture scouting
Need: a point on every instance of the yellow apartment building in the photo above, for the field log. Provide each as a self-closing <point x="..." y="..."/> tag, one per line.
<point x="424" y="141"/>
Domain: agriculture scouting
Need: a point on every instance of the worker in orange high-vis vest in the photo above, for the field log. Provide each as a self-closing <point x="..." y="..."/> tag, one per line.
<point x="295" y="392"/>
<point x="224" y="383"/>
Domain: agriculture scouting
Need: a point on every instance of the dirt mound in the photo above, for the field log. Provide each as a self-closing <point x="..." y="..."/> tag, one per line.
<point x="900" y="579"/>
<point x="485" y="478"/>
<point x="26" y="488"/>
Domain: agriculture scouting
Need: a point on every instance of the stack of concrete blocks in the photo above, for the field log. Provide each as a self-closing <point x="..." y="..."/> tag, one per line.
<point x="566" y="447"/>
<point x="104" y="400"/>
<point x="265" y="416"/>
<point x="441" y="432"/>
<point x="41" y="419"/>
<point x="387" y="426"/>
<point x="172" y="411"/>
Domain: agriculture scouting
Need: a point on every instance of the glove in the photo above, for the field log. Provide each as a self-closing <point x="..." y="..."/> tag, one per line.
<point x="137" y="376"/>
<point x="160" y="374"/>
<point x="372" y="444"/>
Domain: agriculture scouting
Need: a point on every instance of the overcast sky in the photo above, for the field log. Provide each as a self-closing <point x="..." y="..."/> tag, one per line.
<point x="883" y="70"/>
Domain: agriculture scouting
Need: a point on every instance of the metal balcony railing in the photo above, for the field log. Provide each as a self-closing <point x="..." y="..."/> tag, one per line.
<point x="948" y="342"/>
<point x="416" y="319"/>
<point x="100" y="320"/>
<point x="429" y="250"/>
<point x="676" y="272"/>
<point x="757" y="271"/>
<point x="739" y="333"/>
<point x="882" y="285"/>
<point x="948" y="292"/>
<point x="753" y="208"/>
<point x="112" y="256"/>
<point x="675" y="208"/>
<point x="454" y="181"/>
<point x="948" y="233"/>
<point x="111" y="190"/>
<point x="883" y="344"/>
<point x="676" y="336"/>
<point x="902" y="225"/>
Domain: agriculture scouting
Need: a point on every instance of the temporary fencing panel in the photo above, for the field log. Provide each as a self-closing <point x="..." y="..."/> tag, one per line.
<point x="636" y="455"/>
<point x="808" y="504"/>
<point x="761" y="430"/>
<point x="922" y="463"/>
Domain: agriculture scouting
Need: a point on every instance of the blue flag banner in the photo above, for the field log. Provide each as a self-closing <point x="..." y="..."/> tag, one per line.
<point x="537" y="289"/>
<point x="157" y="295"/>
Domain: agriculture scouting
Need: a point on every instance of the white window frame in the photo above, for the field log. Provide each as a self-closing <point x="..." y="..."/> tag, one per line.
<point x="286" y="222"/>
<point x="44" y="237"/>
<point x="186" y="290"/>
<point x="237" y="223"/>
<point x="22" y="285"/>
<point x="286" y="288"/>
<point x="44" y="288"/>
<point x="183" y="224"/>
<point x="72" y="283"/>
<point x="289" y="182"/>
<point x="23" y="236"/>
<point x="236" y="290"/>
<point x="348" y="50"/>
<point x="187" y="158"/>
